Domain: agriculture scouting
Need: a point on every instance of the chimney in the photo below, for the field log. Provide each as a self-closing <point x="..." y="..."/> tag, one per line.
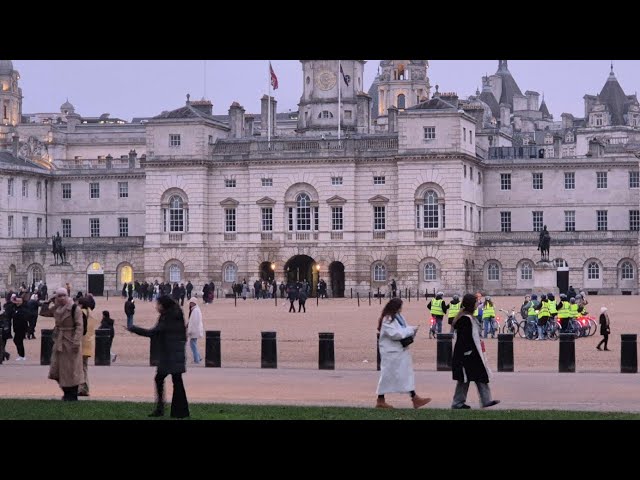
<point x="263" y="115"/>
<point x="16" y="144"/>
<point x="567" y="120"/>
<point x="392" y="118"/>
<point x="505" y="115"/>
<point x="109" y="160"/>
<point x="236" y="120"/>
<point x="248" y="125"/>
<point x="132" y="159"/>
<point x="557" y="145"/>
<point x="532" y="100"/>
<point x="73" y="120"/>
<point x="203" y="106"/>
<point x="363" y="113"/>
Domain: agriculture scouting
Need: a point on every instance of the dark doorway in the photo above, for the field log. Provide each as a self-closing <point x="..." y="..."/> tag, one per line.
<point x="267" y="271"/>
<point x="563" y="280"/>
<point x="96" y="285"/>
<point x="336" y="274"/>
<point x="302" y="267"/>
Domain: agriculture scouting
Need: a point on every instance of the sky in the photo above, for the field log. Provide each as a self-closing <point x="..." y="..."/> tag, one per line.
<point x="144" y="88"/>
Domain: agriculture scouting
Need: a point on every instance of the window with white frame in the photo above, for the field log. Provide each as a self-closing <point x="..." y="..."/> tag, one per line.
<point x="267" y="219"/>
<point x="569" y="138"/>
<point x="598" y="121"/>
<point x="505" y="181"/>
<point x="303" y="212"/>
<point x="38" y="189"/>
<point x="10" y="183"/>
<point x="626" y="272"/>
<point x="94" y="190"/>
<point x="601" y="218"/>
<point x="593" y="271"/>
<point x="569" y="180"/>
<point x="634" y="179"/>
<point x="379" y="218"/>
<point x="25" y="188"/>
<point x="325" y="114"/>
<point x="430" y="210"/>
<point x="66" y="191"/>
<point x="335" y="181"/>
<point x="66" y="227"/>
<point x="177" y="215"/>
<point x="230" y="273"/>
<point x="25" y="227"/>
<point x="123" y="227"/>
<point x="267" y="182"/>
<point x="379" y="273"/>
<point x="174" y="273"/>
<point x="38" y="227"/>
<point x="634" y="220"/>
<point x="379" y="180"/>
<point x="10" y="226"/>
<point x="601" y="180"/>
<point x="526" y="271"/>
<point x="123" y="189"/>
<point x="230" y="183"/>
<point x="429" y="272"/>
<point x="569" y="220"/>
<point x="94" y="227"/>
<point x="538" y="221"/>
<point x="493" y="271"/>
<point x="537" y="181"/>
<point x="429" y="133"/>
<point x="505" y="221"/>
<point x="174" y="140"/>
<point x="229" y="220"/>
<point x="560" y="262"/>
<point x="336" y="219"/>
<point x="548" y="139"/>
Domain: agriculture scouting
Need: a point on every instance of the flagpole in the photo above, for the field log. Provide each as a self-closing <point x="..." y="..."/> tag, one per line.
<point x="339" y="96"/>
<point x="269" y="107"/>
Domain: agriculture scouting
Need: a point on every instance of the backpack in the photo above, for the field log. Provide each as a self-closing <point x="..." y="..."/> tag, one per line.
<point x="524" y="310"/>
<point x="84" y="318"/>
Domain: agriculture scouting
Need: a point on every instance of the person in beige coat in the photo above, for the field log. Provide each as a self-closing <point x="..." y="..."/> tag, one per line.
<point x="88" y="342"/>
<point x="66" y="359"/>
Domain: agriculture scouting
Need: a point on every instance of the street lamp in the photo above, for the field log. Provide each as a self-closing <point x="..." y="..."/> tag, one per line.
<point x="273" y="266"/>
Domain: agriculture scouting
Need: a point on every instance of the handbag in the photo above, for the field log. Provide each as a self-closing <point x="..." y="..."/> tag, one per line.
<point x="406" y="341"/>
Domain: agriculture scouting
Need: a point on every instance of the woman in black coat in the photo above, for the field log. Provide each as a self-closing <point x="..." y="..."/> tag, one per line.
<point x="170" y="336"/>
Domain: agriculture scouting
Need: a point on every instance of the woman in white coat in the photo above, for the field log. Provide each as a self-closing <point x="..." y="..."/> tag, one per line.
<point x="396" y="369"/>
<point x="195" y="329"/>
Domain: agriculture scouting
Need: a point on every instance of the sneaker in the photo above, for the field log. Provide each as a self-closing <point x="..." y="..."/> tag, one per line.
<point x="419" y="401"/>
<point x="607" y="349"/>
<point x="464" y="406"/>
<point x="491" y="403"/>
<point x="20" y="359"/>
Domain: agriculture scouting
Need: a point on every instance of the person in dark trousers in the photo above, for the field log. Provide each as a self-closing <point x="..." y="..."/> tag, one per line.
<point x="32" y="305"/>
<point x="438" y="308"/>
<point x="124" y="290"/>
<point x="282" y="290"/>
<point x="129" y="310"/>
<point x="107" y="323"/>
<point x="189" y="288"/>
<point x="302" y="299"/>
<point x="182" y="292"/>
<point x="20" y="324"/>
<point x="292" y="295"/>
<point x="170" y="334"/>
<point x="605" y="328"/>
<point x="5" y="333"/>
<point x="394" y="287"/>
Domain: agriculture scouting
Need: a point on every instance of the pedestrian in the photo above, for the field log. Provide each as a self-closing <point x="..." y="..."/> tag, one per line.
<point x="396" y="369"/>
<point x="171" y="337"/>
<point x="469" y="363"/>
<point x="292" y="295"/>
<point x="438" y="308"/>
<point x="20" y="327"/>
<point x="107" y="323"/>
<point x="5" y="334"/>
<point x="129" y="310"/>
<point x="88" y="341"/>
<point x="195" y="329"/>
<point x="66" y="358"/>
<point x="605" y="328"/>
<point x="302" y="299"/>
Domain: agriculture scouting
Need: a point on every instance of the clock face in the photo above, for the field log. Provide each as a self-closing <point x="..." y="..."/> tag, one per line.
<point x="326" y="80"/>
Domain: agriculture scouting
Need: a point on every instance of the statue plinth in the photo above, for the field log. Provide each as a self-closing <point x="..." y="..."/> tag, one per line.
<point x="59" y="275"/>
<point x="545" y="278"/>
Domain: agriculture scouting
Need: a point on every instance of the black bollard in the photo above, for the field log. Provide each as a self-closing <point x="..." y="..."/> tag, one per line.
<point x="409" y="294"/>
<point x="103" y="347"/>
<point x="269" y="350"/>
<point x="212" y="349"/>
<point x="444" y="352"/>
<point x="400" y="294"/>
<point x="326" y="352"/>
<point x="351" y="292"/>
<point x="317" y="299"/>
<point x="369" y="298"/>
<point x="505" y="352"/>
<point x="235" y="300"/>
<point x="108" y="299"/>
<point x="629" y="353"/>
<point x="567" y="354"/>
<point x="378" y="352"/>
<point x="276" y="298"/>
<point x="154" y="351"/>
<point x="358" y="294"/>
<point x="46" y="346"/>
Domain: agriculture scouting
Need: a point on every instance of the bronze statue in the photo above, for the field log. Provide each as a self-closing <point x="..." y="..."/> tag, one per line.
<point x="59" y="251"/>
<point x="543" y="244"/>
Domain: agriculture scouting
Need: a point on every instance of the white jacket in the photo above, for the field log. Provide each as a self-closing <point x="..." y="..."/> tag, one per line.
<point x="195" y="327"/>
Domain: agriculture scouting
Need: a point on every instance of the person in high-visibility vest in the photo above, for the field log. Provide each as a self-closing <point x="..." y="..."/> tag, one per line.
<point x="563" y="311"/>
<point x="488" y="315"/>
<point x="438" y="308"/>
<point x="551" y="303"/>
<point x="543" y="316"/>
<point x="454" y="308"/>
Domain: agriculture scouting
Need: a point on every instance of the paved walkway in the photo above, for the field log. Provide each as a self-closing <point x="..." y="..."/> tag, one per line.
<point x="353" y="388"/>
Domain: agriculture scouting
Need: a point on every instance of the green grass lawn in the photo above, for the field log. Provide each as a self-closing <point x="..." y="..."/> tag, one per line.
<point x="11" y="409"/>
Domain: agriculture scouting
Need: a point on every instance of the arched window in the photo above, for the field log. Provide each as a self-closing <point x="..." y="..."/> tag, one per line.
<point x="174" y="273"/>
<point x="429" y="272"/>
<point x="593" y="271"/>
<point x="526" y="272"/>
<point x="627" y="271"/>
<point x="37" y="274"/>
<point x="430" y="212"/>
<point x="379" y="273"/>
<point x="176" y="214"/>
<point x="230" y="273"/>
<point x="401" y="101"/>
<point x="303" y="212"/>
<point x="12" y="275"/>
<point x="493" y="271"/>
<point x="560" y="263"/>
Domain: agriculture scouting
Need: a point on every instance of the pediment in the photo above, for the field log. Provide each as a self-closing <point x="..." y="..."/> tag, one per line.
<point x="378" y="199"/>
<point x="266" y="201"/>
<point x="229" y="202"/>
<point x="336" y="200"/>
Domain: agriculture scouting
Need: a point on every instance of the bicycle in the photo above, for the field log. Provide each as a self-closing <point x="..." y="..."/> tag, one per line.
<point x="432" y="327"/>
<point x="528" y="329"/>
<point x="511" y="324"/>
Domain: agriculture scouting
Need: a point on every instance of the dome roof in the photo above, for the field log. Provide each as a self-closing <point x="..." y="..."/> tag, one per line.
<point x="6" y="67"/>
<point x="67" y="106"/>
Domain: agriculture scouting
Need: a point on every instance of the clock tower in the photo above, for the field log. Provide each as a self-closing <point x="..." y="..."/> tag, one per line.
<point x="318" y="107"/>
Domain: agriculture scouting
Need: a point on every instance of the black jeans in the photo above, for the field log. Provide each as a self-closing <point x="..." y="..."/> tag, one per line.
<point x="18" y="339"/>
<point x="292" y="308"/>
<point x="301" y="306"/>
<point x="179" y="404"/>
<point x="605" y="339"/>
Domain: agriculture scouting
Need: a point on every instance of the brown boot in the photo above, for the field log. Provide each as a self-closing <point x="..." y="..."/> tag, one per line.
<point x="419" y="401"/>
<point x="382" y="404"/>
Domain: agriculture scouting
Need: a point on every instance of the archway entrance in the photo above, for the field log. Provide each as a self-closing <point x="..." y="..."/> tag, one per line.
<point x="300" y="268"/>
<point x="125" y="275"/>
<point x="336" y="276"/>
<point x="562" y="275"/>
<point x="95" y="279"/>
<point x="267" y="271"/>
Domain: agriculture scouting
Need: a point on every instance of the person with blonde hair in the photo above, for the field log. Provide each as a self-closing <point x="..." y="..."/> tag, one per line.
<point x="605" y="328"/>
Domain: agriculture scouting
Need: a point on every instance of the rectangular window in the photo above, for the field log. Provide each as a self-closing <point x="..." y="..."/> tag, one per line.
<point x="471" y="217"/>
<point x="601" y="179"/>
<point x="267" y="219"/>
<point x="538" y="221"/>
<point x="174" y="140"/>
<point x="66" y="227"/>
<point x="123" y="227"/>
<point x="479" y="178"/>
<point x="505" y="181"/>
<point x="601" y="217"/>
<point x="291" y="219"/>
<point x="479" y="220"/>
<point x="66" y="190"/>
<point x="38" y="227"/>
<point x="316" y="218"/>
<point x="123" y="189"/>
<point x="505" y="221"/>
<point x="336" y="219"/>
<point x="379" y="180"/>
<point x="38" y="189"/>
<point x="537" y="181"/>
<point x="464" y="134"/>
<point x="634" y="220"/>
<point x="569" y="180"/>
<point x="470" y="173"/>
<point x="464" y="170"/>
<point x="379" y="218"/>
<point x="94" y="227"/>
<point x="634" y="179"/>
<point x="229" y="220"/>
<point x="465" y="217"/>
<point x="267" y="182"/>
<point x="470" y="137"/>
<point x="25" y="188"/>
<point x="347" y="114"/>
<point x="211" y="142"/>
<point x="230" y="183"/>
<point x="10" y="226"/>
<point x="25" y="227"/>
<point x="10" y="187"/>
<point x="429" y="133"/>
<point x="569" y="220"/>
<point x="335" y="181"/>
<point x="94" y="190"/>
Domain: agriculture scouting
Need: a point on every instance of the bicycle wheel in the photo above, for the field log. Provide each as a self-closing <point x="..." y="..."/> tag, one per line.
<point x="522" y="329"/>
<point x="554" y="331"/>
<point x="594" y="327"/>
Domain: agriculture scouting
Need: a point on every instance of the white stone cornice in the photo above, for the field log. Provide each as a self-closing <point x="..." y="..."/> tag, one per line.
<point x="378" y="200"/>
<point x="229" y="202"/>
<point x="336" y="200"/>
<point x="267" y="201"/>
